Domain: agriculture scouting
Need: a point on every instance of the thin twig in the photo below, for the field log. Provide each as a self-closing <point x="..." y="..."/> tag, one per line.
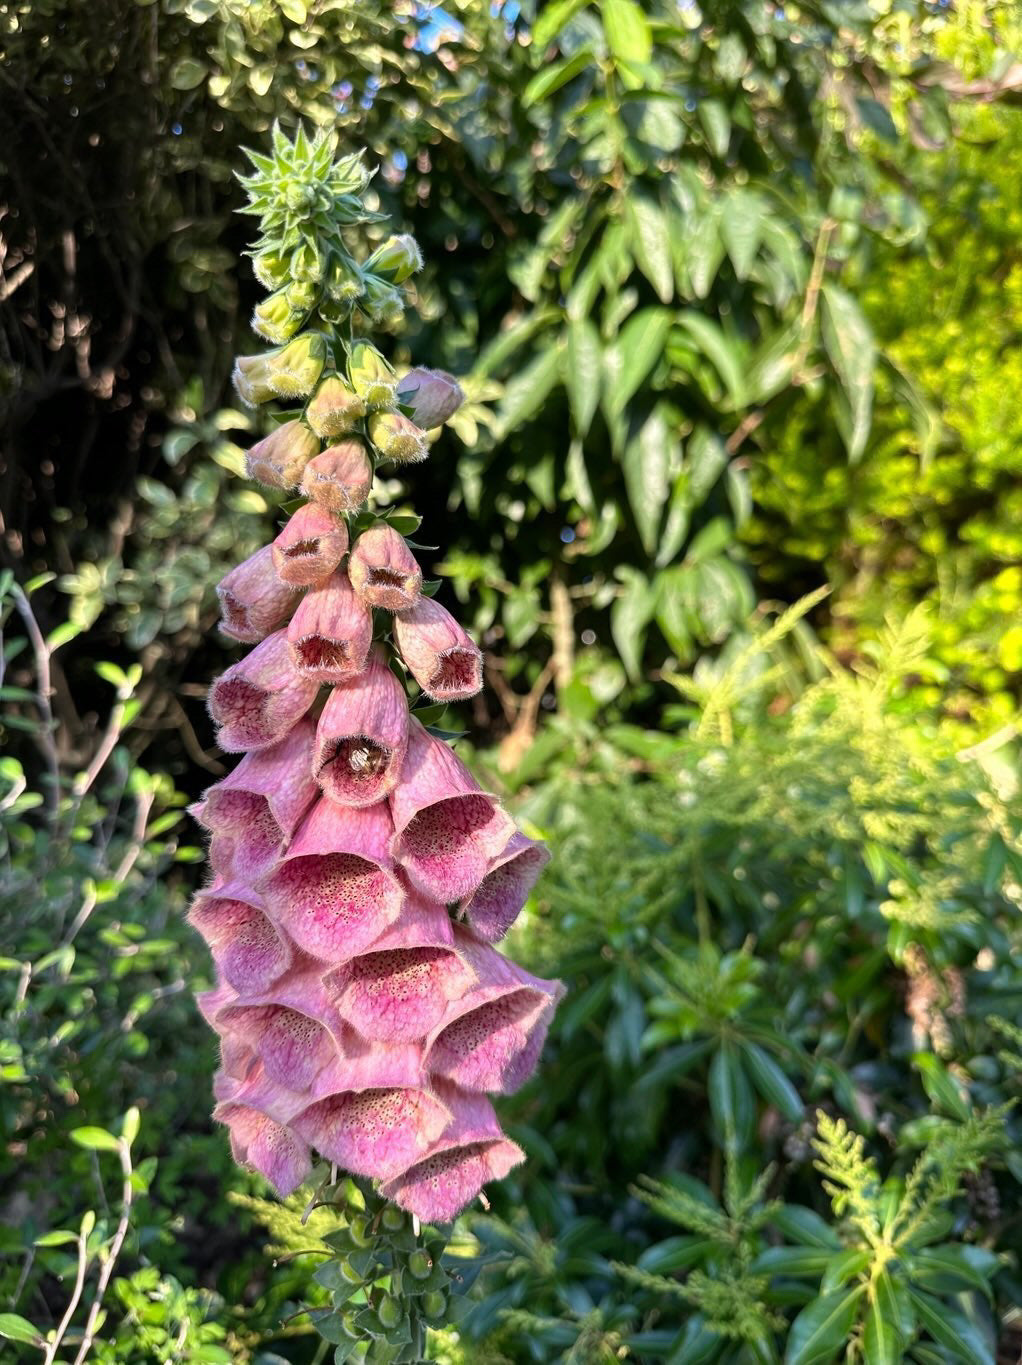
<point x="76" y="1295"/>
<point x="124" y="1152"/>
<point x="44" y="690"/>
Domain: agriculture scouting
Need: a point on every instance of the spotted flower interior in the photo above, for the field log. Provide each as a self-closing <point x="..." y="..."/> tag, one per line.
<point x="360" y="877"/>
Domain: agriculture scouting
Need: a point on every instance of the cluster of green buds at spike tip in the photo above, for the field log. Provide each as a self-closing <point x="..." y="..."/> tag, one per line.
<point x="360" y="876"/>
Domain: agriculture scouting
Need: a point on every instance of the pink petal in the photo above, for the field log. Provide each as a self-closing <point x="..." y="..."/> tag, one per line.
<point x="293" y="1047"/>
<point x="442" y="657"/>
<point x="310" y="547"/>
<point x="330" y="633"/>
<point x="245" y="946"/>
<point x="273" y="1150"/>
<point x="258" y="700"/>
<point x="446" y="829"/>
<point x="400" y="994"/>
<point x="374" y="1133"/>
<point x="383" y="570"/>
<point x="362" y="737"/>
<point x="498" y="899"/>
<point x="253" y="600"/>
<point x="255" y="809"/>
<point x="335" y="892"/>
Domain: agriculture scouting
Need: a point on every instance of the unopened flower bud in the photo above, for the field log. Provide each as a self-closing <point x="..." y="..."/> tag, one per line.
<point x="344" y="282"/>
<point x="280" y="458"/>
<point x="253" y="600"/>
<point x="383" y="571"/>
<point x="306" y="264"/>
<point x="275" y="319"/>
<point x="293" y="371"/>
<point x="432" y="395"/>
<point x="252" y="377"/>
<point x="310" y="547"/>
<point x="330" y="633"/>
<point x="349" y="175"/>
<point x="335" y="409"/>
<point x="396" y="259"/>
<point x="339" y="479"/>
<point x="442" y="658"/>
<point x="383" y="302"/>
<point x="371" y="377"/>
<point x="396" y="438"/>
<point x="302" y="295"/>
<point x="271" y="269"/>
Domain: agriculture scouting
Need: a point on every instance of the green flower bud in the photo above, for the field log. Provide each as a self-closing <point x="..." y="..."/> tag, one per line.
<point x="333" y="312"/>
<point x="371" y="377"/>
<point x="344" y="282"/>
<point x="392" y="1219"/>
<point x="252" y="377"/>
<point x="275" y="319"/>
<point x="301" y="295"/>
<point x="396" y="438"/>
<point x="434" y="1304"/>
<point x="358" y="1230"/>
<point x="396" y="259"/>
<point x="349" y="175"/>
<point x="335" y="409"/>
<point x="306" y="264"/>
<point x="420" y="1265"/>
<point x="271" y="269"/>
<point x="300" y="196"/>
<point x="350" y="1327"/>
<point x="294" y="371"/>
<point x="390" y="1312"/>
<point x="348" y="1272"/>
<point x="382" y="301"/>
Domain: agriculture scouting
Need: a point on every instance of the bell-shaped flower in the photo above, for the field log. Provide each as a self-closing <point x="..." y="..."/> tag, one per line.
<point x="258" y="700"/>
<point x="254" y="811"/>
<point x="276" y="318"/>
<point x="335" y="890"/>
<point x="397" y="259"/>
<point x="470" y="1152"/>
<point x="267" y="1146"/>
<point x="446" y="829"/>
<point x="295" y="368"/>
<point x="499" y="897"/>
<point x="310" y="547"/>
<point x="251" y="378"/>
<point x="330" y="633"/>
<point x="253" y="600"/>
<point x="396" y="438"/>
<point x="339" y="478"/>
<point x="432" y="397"/>
<point x="335" y="409"/>
<point x="280" y="458"/>
<point x="401" y="989"/>
<point x="383" y="570"/>
<point x="374" y="1132"/>
<point x="248" y="951"/>
<point x="441" y="656"/>
<point x="362" y="737"/>
<point x="490" y="1038"/>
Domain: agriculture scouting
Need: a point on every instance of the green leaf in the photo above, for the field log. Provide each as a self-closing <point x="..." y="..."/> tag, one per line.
<point x="187" y="73"/>
<point x="58" y="1238"/>
<point x="583" y="365"/>
<point x="723" y="353"/>
<point x="552" y="21"/>
<point x="95" y="1139"/>
<point x="772" y="1083"/>
<point x="843" y="1267"/>
<point x="647" y="461"/>
<point x="716" y="121"/>
<point x="741" y="222"/>
<point x="528" y="391"/>
<point x="627" y="30"/>
<point x="637" y="348"/>
<point x="629" y="617"/>
<point x="881" y="1341"/>
<point x="732" y="1103"/>
<point x="952" y="1330"/>
<point x="822" y="1328"/>
<point x="798" y="1261"/>
<point x="848" y="339"/>
<point x="945" y="1093"/>
<point x="16" y="1328"/>
<point x="553" y="77"/>
<point x="951" y="1268"/>
<point x="806" y="1227"/>
<point x="651" y="244"/>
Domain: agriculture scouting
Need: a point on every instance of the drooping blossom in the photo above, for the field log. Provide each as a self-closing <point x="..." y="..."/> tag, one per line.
<point x="257" y="701"/>
<point x="330" y="632"/>
<point x="362" y="737"/>
<point x="253" y="600"/>
<point x="340" y="477"/>
<point x="441" y="656"/>
<point x="310" y="547"/>
<point x="280" y="458"/>
<point x="383" y="570"/>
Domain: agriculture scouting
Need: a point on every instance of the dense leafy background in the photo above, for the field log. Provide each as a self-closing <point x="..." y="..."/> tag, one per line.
<point x="736" y="299"/>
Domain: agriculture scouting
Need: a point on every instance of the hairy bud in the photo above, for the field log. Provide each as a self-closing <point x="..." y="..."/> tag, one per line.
<point x="293" y="371"/>
<point x="433" y="396"/>
<point x="335" y="409"/>
<point x="276" y="319"/>
<point x="397" y="439"/>
<point x="371" y="376"/>
<point x="339" y="479"/>
<point x="383" y="571"/>
<point x="280" y="458"/>
<point x="397" y="259"/>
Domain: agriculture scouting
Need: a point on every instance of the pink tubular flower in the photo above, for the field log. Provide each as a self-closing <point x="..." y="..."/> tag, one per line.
<point x="432" y="396"/>
<point x="340" y="478"/>
<point x="383" y="571"/>
<point x="270" y="1148"/>
<point x="291" y="1028"/>
<point x="258" y="700"/>
<point x="491" y="1037"/>
<point x="362" y="737"/>
<point x="280" y="458"/>
<point x="246" y="948"/>
<point x="330" y="633"/>
<point x="254" y="811"/>
<point x="374" y="1132"/>
<point x="445" y="829"/>
<point x="335" y="892"/>
<point x="471" y="1151"/>
<point x="400" y="990"/>
<point x="310" y="547"/>
<point x="253" y="600"/>
<point x="441" y="656"/>
<point x="497" y="901"/>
